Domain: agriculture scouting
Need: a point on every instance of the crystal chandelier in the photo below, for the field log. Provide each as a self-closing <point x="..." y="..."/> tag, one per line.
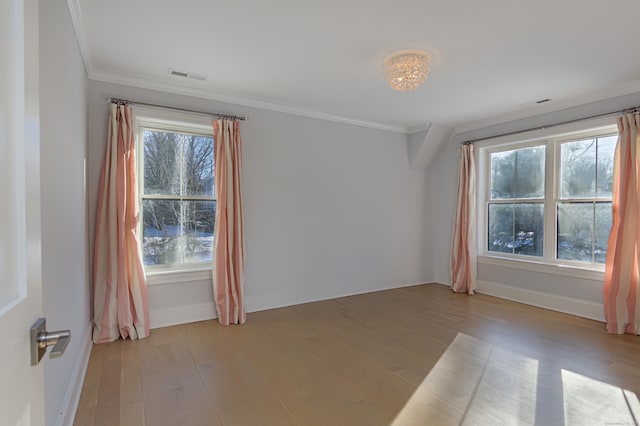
<point x="406" y="70"/>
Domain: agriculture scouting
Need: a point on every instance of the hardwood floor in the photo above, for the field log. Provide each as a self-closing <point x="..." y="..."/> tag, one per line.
<point x="414" y="356"/>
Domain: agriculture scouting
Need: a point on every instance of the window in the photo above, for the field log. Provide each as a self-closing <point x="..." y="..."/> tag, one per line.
<point x="550" y="200"/>
<point x="516" y="209"/>
<point x="584" y="201"/>
<point x="177" y="194"/>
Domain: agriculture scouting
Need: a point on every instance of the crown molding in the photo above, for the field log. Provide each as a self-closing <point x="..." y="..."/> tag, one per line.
<point x="623" y="89"/>
<point x="419" y="128"/>
<point x="203" y="93"/>
<point x="78" y="26"/>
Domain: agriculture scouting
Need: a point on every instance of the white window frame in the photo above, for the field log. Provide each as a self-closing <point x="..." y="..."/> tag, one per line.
<point x="552" y="138"/>
<point x="179" y="122"/>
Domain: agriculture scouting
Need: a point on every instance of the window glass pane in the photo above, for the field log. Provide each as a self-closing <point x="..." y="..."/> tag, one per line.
<point x="529" y="229"/>
<point x="177" y="231"/>
<point x="575" y="231"/>
<point x="530" y="172"/>
<point x="500" y="228"/>
<point x="606" y="152"/>
<point x="197" y="165"/>
<point x="177" y="164"/>
<point x="503" y="175"/>
<point x="161" y="163"/>
<point x="578" y="169"/>
<point x="198" y="223"/>
<point x="603" y="227"/>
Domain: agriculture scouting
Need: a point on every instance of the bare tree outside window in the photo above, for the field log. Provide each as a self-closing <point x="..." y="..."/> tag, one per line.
<point x="178" y="198"/>
<point x="575" y="216"/>
<point x="516" y="210"/>
<point x="584" y="208"/>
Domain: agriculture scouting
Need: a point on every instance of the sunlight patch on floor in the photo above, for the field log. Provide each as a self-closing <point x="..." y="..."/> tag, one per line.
<point x="477" y="383"/>
<point x="591" y="402"/>
<point x="474" y="383"/>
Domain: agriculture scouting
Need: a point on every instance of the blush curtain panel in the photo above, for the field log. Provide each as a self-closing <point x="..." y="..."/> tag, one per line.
<point x="229" y="254"/>
<point x="622" y="268"/>
<point x="463" y="246"/>
<point x="120" y="289"/>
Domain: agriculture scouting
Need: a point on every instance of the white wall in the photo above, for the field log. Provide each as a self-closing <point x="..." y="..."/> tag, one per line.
<point x="63" y="114"/>
<point x="330" y="209"/>
<point x="580" y="296"/>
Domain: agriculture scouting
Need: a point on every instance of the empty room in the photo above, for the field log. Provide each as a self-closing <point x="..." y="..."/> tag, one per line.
<point x="320" y="213"/>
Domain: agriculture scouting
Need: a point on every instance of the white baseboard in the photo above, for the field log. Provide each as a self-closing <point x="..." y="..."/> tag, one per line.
<point x="166" y="317"/>
<point x="181" y="315"/>
<point x="69" y="406"/>
<point x="205" y="311"/>
<point x="257" y="304"/>
<point x="568" y="305"/>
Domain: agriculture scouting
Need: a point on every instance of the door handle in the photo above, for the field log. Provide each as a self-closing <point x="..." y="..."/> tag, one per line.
<point x="41" y="339"/>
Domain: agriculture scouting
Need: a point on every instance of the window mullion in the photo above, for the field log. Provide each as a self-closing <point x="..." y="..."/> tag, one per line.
<point x="513" y="203"/>
<point x="582" y="200"/>
<point x="550" y="207"/>
<point x="593" y="223"/>
<point x="177" y="197"/>
<point x="181" y="239"/>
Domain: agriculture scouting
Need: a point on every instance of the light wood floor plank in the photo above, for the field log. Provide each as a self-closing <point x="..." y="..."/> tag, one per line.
<point x="411" y="356"/>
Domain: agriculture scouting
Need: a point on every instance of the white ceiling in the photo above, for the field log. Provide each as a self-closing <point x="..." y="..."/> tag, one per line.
<point x="492" y="58"/>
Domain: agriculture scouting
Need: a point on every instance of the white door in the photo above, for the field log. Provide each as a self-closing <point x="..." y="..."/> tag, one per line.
<point x="21" y="385"/>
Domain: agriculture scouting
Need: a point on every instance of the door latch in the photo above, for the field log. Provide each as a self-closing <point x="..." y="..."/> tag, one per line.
<point x="41" y="339"/>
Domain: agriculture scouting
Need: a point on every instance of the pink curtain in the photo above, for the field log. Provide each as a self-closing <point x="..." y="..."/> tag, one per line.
<point x="622" y="270"/>
<point x="463" y="246"/>
<point x="120" y="289"/>
<point x="228" y="257"/>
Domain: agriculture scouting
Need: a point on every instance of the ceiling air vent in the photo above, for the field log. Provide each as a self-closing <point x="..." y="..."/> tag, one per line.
<point x="179" y="73"/>
<point x="184" y="74"/>
<point x="541" y="101"/>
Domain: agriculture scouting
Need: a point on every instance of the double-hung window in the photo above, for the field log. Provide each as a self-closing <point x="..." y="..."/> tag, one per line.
<point x="177" y="194"/>
<point x="516" y="201"/>
<point x="549" y="200"/>
<point x="584" y="198"/>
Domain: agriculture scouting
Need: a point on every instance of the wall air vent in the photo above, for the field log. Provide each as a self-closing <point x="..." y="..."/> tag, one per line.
<point x="184" y="74"/>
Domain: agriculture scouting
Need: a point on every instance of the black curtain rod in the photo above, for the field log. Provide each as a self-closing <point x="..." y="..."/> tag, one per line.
<point x="548" y="126"/>
<point x="119" y="101"/>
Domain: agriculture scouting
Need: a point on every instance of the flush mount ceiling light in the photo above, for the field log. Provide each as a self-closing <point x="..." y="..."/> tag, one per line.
<point x="406" y="70"/>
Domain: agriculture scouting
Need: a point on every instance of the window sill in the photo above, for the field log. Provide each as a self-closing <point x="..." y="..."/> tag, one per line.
<point x="594" y="273"/>
<point x="173" y="276"/>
